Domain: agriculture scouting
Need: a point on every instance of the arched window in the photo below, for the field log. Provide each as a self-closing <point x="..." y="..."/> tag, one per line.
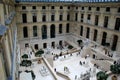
<point x="25" y="32"/>
<point x="44" y="32"/>
<point x="95" y="35"/>
<point x="88" y="32"/>
<point x="114" y="44"/>
<point x="34" y="31"/>
<point x="81" y="30"/>
<point x="104" y="38"/>
<point x="67" y="28"/>
<point x="60" y="28"/>
<point x="52" y="31"/>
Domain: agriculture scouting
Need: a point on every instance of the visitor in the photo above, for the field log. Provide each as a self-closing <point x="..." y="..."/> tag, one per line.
<point x="55" y="69"/>
<point x="64" y="56"/>
<point x="31" y="53"/>
<point x="84" y="62"/>
<point x="85" y="57"/>
<point x="80" y="63"/>
<point x="75" y="77"/>
<point x="79" y="52"/>
<point x="60" y="53"/>
<point x="71" y="54"/>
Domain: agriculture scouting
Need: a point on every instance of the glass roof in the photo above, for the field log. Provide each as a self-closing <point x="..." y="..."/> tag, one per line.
<point x="67" y="1"/>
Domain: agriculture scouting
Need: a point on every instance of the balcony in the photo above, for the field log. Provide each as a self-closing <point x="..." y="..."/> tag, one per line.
<point x="44" y="10"/>
<point x="82" y="11"/>
<point x="10" y="18"/>
<point x="117" y="14"/>
<point x="97" y="13"/>
<point x="107" y="13"/>
<point x="89" y="12"/>
<point x="34" y="10"/>
<point x="52" y="11"/>
<point x="60" y="11"/>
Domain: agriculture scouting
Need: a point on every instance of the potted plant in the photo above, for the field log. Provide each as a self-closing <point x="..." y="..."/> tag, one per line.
<point x="102" y="75"/>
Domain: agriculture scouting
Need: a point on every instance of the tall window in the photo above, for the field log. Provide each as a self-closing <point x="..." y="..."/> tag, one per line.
<point x="61" y="17"/>
<point x="33" y="7"/>
<point x="52" y="7"/>
<point x="68" y="7"/>
<point x="34" y="17"/>
<point x="67" y="28"/>
<point x="25" y="32"/>
<point x="117" y="24"/>
<point x="60" y="28"/>
<point x="23" y="7"/>
<point x="114" y="43"/>
<point x="34" y="31"/>
<point x="82" y="17"/>
<point x="68" y="17"/>
<point x="97" y="8"/>
<point x="88" y="31"/>
<point x="44" y="32"/>
<point x="104" y="38"/>
<point x="107" y="9"/>
<point x="44" y="18"/>
<point x="43" y="7"/>
<point x="89" y="17"/>
<point x="106" y="21"/>
<point x="52" y="17"/>
<point x="24" y="18"/>
<point x="96" y="19"/>
<point x="118" y="10"/>
<point x="52" y="31"/>
<point x="82" y="8"/>
<point x="81" y="30"/>
<point x="89" y="8"/>
<point x="76" y="16"/>
<point x="95" y="35"/>
<point x="61" y="7"/>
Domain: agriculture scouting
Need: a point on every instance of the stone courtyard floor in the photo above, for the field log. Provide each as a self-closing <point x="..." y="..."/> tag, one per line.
<point x="74" y="69"/>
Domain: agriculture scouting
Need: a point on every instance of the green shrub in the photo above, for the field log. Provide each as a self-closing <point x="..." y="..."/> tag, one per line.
<point x="70" y="47"/>
<point x="25" y="56"/>
<point x="115" y="69"/>
<point x="39" y="53"/>
<point x="102" y="75"/>
<point x="26" y="63"/>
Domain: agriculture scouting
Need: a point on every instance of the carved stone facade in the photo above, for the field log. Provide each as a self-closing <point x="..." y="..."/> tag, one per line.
<point x="101" y="17"/>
